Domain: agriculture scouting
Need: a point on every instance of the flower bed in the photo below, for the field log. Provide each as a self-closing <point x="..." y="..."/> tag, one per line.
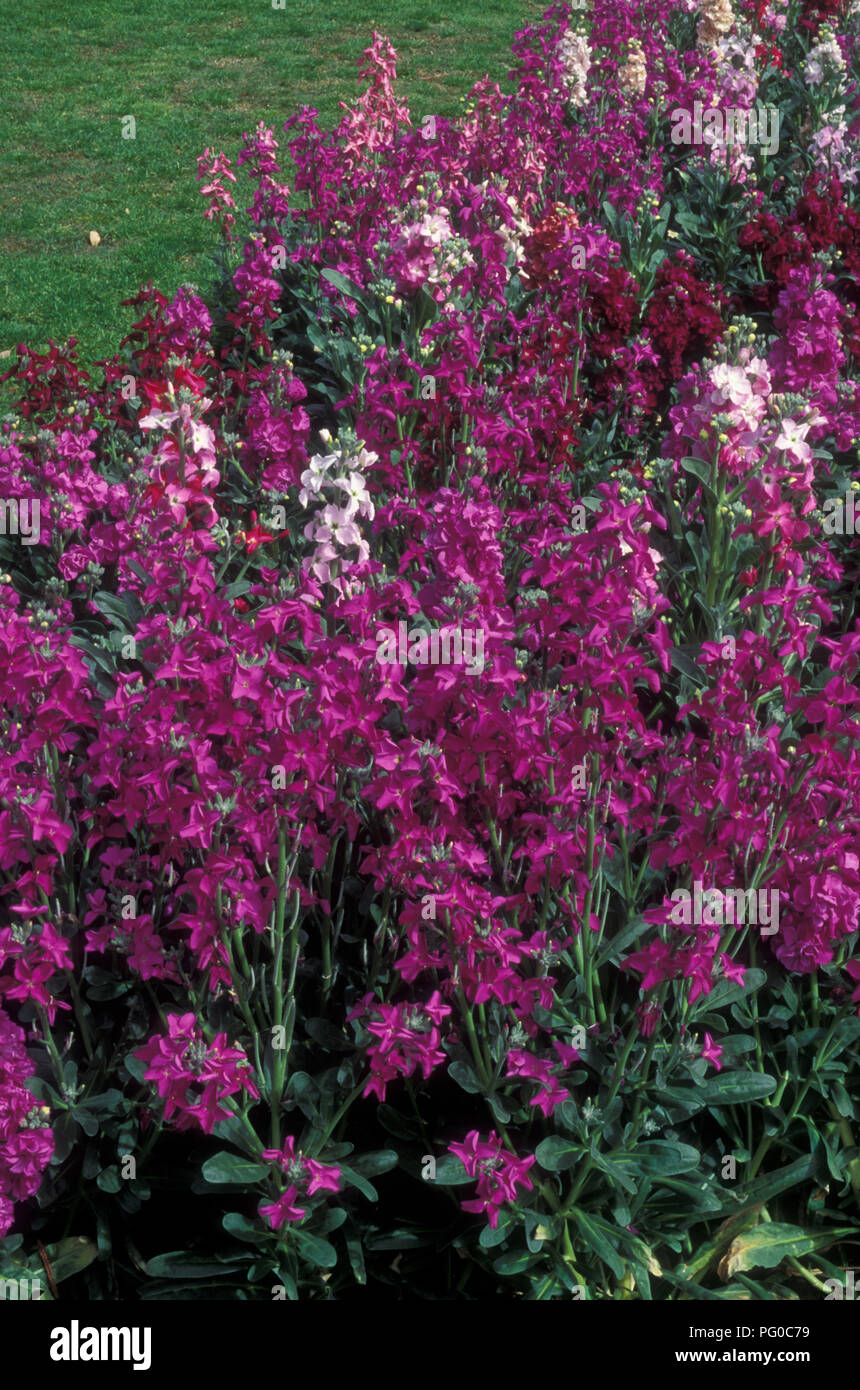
<point x="430" y="790"/>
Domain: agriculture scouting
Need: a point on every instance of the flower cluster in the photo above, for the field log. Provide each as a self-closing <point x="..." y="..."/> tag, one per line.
<point x="499" y="1173"/>
<point x="26" y="1141"/>
<point x="409" y="1037"/>
<point x="334" y="527"/>
<point x="194" y="1076"/>
<point x="303" y="1175"/>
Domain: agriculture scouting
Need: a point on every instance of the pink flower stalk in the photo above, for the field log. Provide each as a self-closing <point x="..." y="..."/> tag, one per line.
<point x="372" y="123"/>
<point x="216" y="168"/>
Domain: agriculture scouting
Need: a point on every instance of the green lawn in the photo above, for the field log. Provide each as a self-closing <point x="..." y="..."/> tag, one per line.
<point x="193" y="75"/>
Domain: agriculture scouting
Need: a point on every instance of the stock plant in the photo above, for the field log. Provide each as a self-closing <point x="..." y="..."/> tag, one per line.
<point x="429" y="790"/>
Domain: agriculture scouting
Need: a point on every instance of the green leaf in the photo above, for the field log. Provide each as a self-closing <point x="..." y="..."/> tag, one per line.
<point x="331" y="1220"/>
<point x="305" y="1091"/>
<point x="68" y="1257"/>
<point x="379" y="1161"/>
<point x="515" y="1262"/>
<point x="464" y="1076"/>
<point x="489" y="1237"/>
<point x="225" y="1167"/>
<point x="101" y="985"/>
<point x="135" y="1066"/>
<point x="116" y="607"/>
<point x="188" y="1293"/>
<point x="88" y="1123"/>
<point x="767" y="1245"/>
<point x="556" y="1153"/>
<point x="136" y="568"/>
<point x="500" y="1111"/>
<point x="237" y="589"/>
<point x="691" y="1289"/>
<point x="737" y="1087"/>
<point x="354" y="1179"/>
<point x="450" y="1171"/>
<point x="681" y="661"/>
<point x="536" y="1230"/>
<point x="334" y="1152"/>
<point x="346" y="287"/>
<point x="696" y="1265"/>
<point x="623" y="1168"/>
<point x="773" y="1184"/>
<point x="356" y="1258"/>
<point x="595" y="1233"/>
<point x="243" y="1229"/>
<point x="399" y="1239"/>
<point x="401" y="1126"/>
<point x="700" y="1196"/>
<point x="726" y="992"/>
<point x="180" y="1264"/>
<point x="700" y="470"/>
<point x="611" y="950"/>
<point x="234" y="1132"/>
<point x="315" y="1250"/>
<point x="108" y="1100"/>
<point x="103" y="1236"/>
<point x="727" y="1088"/>
<point x="109" y="1180"/>
<point x="282" y="1277"/>
<point x="842" y="1101"/>
<point x="664" y="1156"/>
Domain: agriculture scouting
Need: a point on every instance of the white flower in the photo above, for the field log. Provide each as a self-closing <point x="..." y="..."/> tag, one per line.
<point x="338" y="527"/>
<point x="791" y="439"/>
<point x="813" y="72"/>
<point x="731" y="383"/>
<point x="314" y="477"/>
<point x="359" y="499"/>
<point x="363" y="460"/>
<point x="202" y="437"/>
<point x="575" y="57"/>
<point x="434" y="227"/>
<point x="825" y="57"/>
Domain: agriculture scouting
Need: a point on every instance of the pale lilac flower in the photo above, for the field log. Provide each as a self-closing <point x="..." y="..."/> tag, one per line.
<point x="358" y="497"/>
<point x="575" y="57"/>
<point x="792" y="439"/>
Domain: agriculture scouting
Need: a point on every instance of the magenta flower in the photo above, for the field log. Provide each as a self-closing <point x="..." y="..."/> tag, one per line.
<point x="285" y="1209"/>
<point x="712" y="1052"/>
<point x="543" y="1071"/>
<point x="312" y="1175"/>
<point x="192" y="1076"/>
<point x="409" y="1037"/>
<point x="499" y="1173"/>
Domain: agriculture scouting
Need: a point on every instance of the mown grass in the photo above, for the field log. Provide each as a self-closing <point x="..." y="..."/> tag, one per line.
<point x="193" y="75"/>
